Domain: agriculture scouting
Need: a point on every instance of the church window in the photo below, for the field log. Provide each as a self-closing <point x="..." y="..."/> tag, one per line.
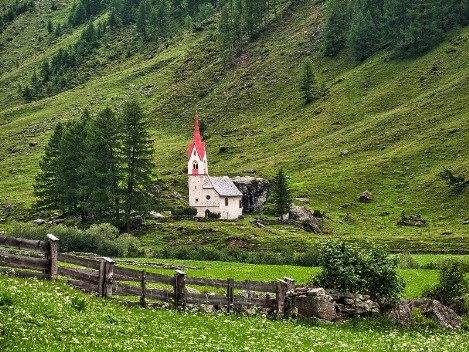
<point x="195" y="153"/>
<point x="208" y="197"/>
<point x="195" y="165"/>
<point x="196" y="199"/>
<point x="240" y="204"/>
<point x="226" y="201"/>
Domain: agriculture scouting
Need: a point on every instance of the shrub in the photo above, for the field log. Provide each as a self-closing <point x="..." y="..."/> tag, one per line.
<point x="406" y="261"/>
<point x="187" y="211"/>
<point x="6" y="299"/>
<point x="356" y="268"/>
<point x="211" y="215"/>
<point x="452" y="288"/>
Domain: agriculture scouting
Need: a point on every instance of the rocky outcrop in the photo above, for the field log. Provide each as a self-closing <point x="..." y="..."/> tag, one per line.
<point x="330" y="305"/>
<point x="305" y="218"/>
<point x="432" y="309"/>
<point x="255" y="192"/>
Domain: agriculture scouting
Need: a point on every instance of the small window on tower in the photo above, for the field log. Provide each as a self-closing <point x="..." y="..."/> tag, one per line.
<point x="195" y="165"/>
<point x="240" y="204"/>
<point x="195" y="153"/>
<point x="208" y="197"/>
<point x="226" y="201"/>
<point x="196" y="199"/>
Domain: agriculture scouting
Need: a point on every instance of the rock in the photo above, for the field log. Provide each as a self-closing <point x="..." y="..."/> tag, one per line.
<point x="322" y="307"/>
<point x="411" y="220"/>
<point x="306" y="218"/>
<point x="32" y="144"/>
<point x="255" y="192"/>
<point x="249" y="171"/>
<point x="443" y="315"/>
<point x="175" y="195"/>
<point x="302" y="200"/>
<point x="433" y="309"/>
<point x="365" y="197"/>
<point x="344" y="153"/>
<point x="316" y="292"/>
<point x="155" y="215"/>
<point x="39" y="221"/>
<point x="465" y="222"/>
<point x="12" y="171"/>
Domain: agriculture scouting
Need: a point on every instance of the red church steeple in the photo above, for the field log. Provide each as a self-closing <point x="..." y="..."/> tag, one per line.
<point x="196" y="142"/>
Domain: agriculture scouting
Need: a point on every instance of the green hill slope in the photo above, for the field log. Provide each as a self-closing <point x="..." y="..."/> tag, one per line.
<point x="402" y="121"/>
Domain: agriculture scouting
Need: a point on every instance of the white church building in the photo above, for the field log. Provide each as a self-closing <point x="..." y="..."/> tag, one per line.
<point x="209" y="194"/>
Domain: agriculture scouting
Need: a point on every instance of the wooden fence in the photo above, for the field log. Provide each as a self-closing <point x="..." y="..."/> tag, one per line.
<point x="108" y="279"/>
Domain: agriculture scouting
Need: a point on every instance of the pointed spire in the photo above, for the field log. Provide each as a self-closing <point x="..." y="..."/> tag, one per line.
<point x="197" y="137"/>
<point x="197" y="141"/>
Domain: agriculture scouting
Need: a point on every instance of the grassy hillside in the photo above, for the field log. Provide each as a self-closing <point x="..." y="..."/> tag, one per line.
<point x="402" y="121"/>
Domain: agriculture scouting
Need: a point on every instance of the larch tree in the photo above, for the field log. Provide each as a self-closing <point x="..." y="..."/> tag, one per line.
<point x="281" y="194"/>
<point x="137" y="149"/>
<point x="307" y="81"/>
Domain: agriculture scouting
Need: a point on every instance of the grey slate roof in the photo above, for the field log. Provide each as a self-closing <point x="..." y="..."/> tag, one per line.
<point x="222" y="185"/>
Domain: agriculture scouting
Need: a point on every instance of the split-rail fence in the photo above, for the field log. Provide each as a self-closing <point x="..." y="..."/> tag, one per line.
<point x="104" y="276"/>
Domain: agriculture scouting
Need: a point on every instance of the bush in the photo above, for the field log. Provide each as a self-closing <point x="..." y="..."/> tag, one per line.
<point x="406" y="261"/>
<point x="102" y="239"/>
<point x="211" y="215"/>
<point x="452" y="288"/>
<point x="187" y="211"/>
<point x="358" y="268"/>
<point x="236" y="255"/>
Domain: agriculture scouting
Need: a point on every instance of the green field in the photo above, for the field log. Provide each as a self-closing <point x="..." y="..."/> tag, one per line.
<point x="50" y="316"/>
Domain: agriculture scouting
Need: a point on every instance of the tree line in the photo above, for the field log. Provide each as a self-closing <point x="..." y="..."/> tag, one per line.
<point x="12" y="11"/>
<point x="243" y="20"/>
<point x="99" y="168"/>
<point x="408" y="27"/>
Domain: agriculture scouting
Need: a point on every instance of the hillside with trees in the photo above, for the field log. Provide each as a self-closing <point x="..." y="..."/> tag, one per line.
<point x="342" y="95"/>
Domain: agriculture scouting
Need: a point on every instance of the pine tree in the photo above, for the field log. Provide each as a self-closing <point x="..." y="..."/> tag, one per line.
<point x="102" y="167"/>
<point x="307" y="81"/>
<point x="138" y="165"/>
<point x="144" y="10"/>
<point x="363" y="36"/>
<point x="337" y="23"/>
<point x="281" y="195"/>
<point x="50" y="27"/>
<point x="46" y="184"/>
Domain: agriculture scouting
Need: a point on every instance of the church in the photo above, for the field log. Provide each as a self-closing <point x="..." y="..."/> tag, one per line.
<point x="210" y="194"/>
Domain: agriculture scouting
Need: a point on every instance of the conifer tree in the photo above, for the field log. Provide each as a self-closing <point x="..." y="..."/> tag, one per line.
<point x="143" y="14"/>
<point x="281" y="194"/>
<point x="46" y="186"/>
<point x="337" y="23"/>
<point x="307" y="81"/>
<point x="363" y="36"/>
<point x="102" y="167"/>
<point x="138" y="165"/>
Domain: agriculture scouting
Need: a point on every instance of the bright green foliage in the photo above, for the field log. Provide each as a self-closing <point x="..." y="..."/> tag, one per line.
<point x="356" y="268"/>
<point x="452" y="285"/>
<point x="281" y="194"/>
<point x="138" y="165"/>
<point x="307" y="81"/>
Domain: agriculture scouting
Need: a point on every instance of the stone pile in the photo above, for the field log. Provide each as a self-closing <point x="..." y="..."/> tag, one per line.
<point x="330" y="305"/>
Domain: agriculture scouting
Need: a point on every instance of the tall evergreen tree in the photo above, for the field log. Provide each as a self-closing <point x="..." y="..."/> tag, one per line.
<point x="337" y="23"/>
<point x="281" y="194"/>
<point x="46" y="187"/>
<point x="138" y="166"/>
<point x="143" y="15"/>
<point x="102" y="167"/>
<point x="363" y="36"/>
<point x="307" y="81"/>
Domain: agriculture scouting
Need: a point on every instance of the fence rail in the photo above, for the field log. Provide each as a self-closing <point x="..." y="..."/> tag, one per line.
<point x="108" y="279"/>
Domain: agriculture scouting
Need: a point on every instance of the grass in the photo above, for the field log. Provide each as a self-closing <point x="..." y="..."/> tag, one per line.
<point x="45" y="316"/>
<point x="401" y="131"/>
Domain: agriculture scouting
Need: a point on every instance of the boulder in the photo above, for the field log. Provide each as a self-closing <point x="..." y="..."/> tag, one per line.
<point x="322" y="307"/>
<point x="39" y="221"/>
<point x="155" y="215"/>
<point x="365" y="197"/>
<point x="306" y="218"/>
<point x="412" y="220"/>
<point x="465" y="222"/>
<point x="344" y="153"/>
<point x="255" y="192"/>
<point x="433" y="309"/>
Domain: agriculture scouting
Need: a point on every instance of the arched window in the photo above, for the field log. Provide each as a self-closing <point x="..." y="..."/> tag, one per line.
<point x="240" y="204"/>
<point x="226" y="201"/>
<point x="195" y="165"/>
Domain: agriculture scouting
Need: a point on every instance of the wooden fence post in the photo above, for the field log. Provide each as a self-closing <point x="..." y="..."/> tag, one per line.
<point x="179" y="290"/>
<point x="52" y="256"/>
<point x="280" y="297"/>
<point x="290" y="283"/>
<point x="106" y="274"/>
<point x="230" y="295"/>
<point x="143" y="284"/>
